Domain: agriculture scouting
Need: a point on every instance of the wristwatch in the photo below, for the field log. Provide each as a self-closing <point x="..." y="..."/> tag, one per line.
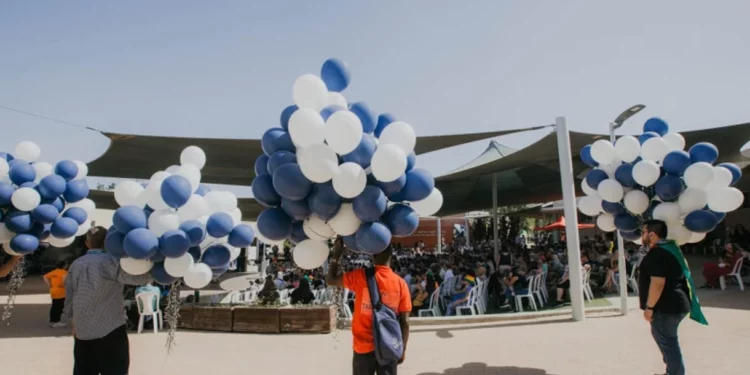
<point x="649" y="308"/>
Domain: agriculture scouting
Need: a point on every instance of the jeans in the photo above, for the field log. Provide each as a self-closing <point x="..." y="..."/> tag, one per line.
<point x="664" y="329"/>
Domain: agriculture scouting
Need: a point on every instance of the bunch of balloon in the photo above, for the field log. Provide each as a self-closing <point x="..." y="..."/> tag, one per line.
<point x="335" y="167"/>
<point x="176" y="228"/>
<point x="652" y="177"/>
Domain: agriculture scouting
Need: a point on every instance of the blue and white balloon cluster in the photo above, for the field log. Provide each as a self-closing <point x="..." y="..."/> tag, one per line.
<point x="333" y="167"/>
<point x="174" y="227"/>
<point x="652" y="176"/>
<point x="40" y="202"/>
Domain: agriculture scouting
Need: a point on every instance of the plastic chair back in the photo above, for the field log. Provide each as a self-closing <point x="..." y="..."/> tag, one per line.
<point x="146" y="302"/>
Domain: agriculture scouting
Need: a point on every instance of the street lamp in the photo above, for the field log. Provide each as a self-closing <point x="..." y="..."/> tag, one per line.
<point x="614" y="125"/>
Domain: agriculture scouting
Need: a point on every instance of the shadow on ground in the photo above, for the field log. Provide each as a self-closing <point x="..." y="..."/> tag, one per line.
<point x="483" y="369"/>
<point x="30" y="321"/>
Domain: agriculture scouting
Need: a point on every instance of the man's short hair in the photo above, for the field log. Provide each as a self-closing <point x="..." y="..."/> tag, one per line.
<point x="95" y="237"/>
<point x="384" y="256"/>
<point x="657" y="227"/>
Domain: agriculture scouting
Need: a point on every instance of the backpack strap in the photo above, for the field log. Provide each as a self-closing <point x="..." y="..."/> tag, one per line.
<point x="372" y="287"/>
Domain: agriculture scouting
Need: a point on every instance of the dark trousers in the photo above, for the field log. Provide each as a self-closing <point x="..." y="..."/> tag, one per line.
<point x="56" y="310"/>
<point x="366" y="364"/>
<point x="109" y="355"/>
<point x="664" y="329"/>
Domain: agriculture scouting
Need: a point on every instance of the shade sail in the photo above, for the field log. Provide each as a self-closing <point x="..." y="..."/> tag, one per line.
<point x="560" y="224"/>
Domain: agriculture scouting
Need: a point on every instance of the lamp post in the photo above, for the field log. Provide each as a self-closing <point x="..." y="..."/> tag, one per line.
<point x="621" y="266"/>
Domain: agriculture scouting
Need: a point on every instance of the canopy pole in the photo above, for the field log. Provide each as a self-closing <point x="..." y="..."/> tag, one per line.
<point x="621" y="266"/>
<point x="439" y="236"/>
<point x="575" y="273"/>
<point x="494" y="217"/>
<point x="467" y="230"/>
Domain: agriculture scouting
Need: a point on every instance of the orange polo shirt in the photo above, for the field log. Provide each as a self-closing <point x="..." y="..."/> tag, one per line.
<point x="394" y="293"/>
<point x="56" y="280"/>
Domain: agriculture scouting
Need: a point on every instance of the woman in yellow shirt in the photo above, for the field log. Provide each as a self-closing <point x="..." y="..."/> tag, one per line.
<point x="55" y="279"/>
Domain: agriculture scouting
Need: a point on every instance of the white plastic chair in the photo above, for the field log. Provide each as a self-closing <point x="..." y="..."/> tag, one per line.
<point x="543" y="286"/>
<point x="537" y="291"/>
<point x="433" y="309"/>
<point x="736" y="274"/>
<point x="529" y="294"/>
<point x="632" y="281"/>
<point x="146" y="302"/>
<point x="285" y="296"/>
<point x="471" y="303"/>
<point x="587" y="292"/>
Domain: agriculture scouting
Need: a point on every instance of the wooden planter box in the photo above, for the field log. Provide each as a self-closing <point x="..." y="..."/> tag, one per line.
<point x="256" y="319"/>
<point x="307" y="319"/>
<point x="212" y="318"/>
<point x="186" y="317"/>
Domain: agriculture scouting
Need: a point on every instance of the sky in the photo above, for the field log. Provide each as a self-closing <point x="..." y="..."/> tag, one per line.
<point x="225" y="69"/>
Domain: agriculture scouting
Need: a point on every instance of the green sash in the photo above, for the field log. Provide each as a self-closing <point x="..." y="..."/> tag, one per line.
<point x="695" y="306"/>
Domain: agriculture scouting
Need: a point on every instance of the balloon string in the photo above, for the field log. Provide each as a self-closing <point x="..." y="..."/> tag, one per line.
<point x="16" y="280"/>
<point x="172" y="314"/>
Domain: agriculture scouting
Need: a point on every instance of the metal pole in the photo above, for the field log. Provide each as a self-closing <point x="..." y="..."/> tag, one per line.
<point x="467" y="230"/>
<point x="571" y="223"/>
<point x="439" y="237"/>
<point x="494" y="217"/>
<point x="621" y="266"/>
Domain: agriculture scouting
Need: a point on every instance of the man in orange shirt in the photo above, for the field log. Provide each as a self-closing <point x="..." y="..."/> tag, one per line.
<point x="55" y="279"/>
<point x="394" y="293"/>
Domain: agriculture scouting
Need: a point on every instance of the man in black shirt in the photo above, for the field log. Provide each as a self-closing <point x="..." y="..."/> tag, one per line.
<point x="664" y="295"/>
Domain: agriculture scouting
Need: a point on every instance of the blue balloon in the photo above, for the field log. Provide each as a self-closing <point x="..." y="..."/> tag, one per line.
<point x="612" y="208"/>
<point x="36" y="229"/>
<point x="264" y="192"/>
<point x="419" y="185"/>
<point x="274" y="224"/>
<point x="411" y="161"/>
<point x="241" y="236"/>
<point x="290" y="183"/>
<point x="401" y="220"/>
<point x="29" y="184"/>
<point x="595" y="177"/>
<point x="218" y="271"/>
<point x="705" y="152"/>
<point x="366" y="116"/>
<point x="76" y="190"/>
<point x="114" y="243"/>
<point x="624" y="175"/>
<point x="286" y="114"/>
<point x="216" y="256"/>
<point x="298" y="233"/>
<point x="45" y="213"/>
<point x="174" y="243"/>
<point x="8" y="157"/>
<point x="261" y="165"/>
<point x="587" y="158"/>
<point x="646" y="136"/>
<point x="384" y="120"/>
<point x="719" y="216"/>
<point x="279" y="158"/>
<point x="373" y="238"/>
<point x="656" y="125"/>
<point x="64" y="227"/>
<point x="298" y="210"/>
<point x="6" y="192"/>
<point x="57" y="202"/>
<point x="76" y="213"/>
<point x="736" y="172"/>
<point x="203" y="189"/>
<point x="626" y="222"/>
<point x="391" y="189"/>
<point x="631" y="236"/>
<point x="195" y="252"/>
<point x="160" y="275"/>
<point x="127" y="218"/>
<point x="24" y="244"/>
<point x="52" y="186"/>
<point x="45" y="232"/>
<point x="676" y="162"/>
<point x="194" y="230"/>
<point x="176" y="191"/>
<point x="370" y="205"/>
<point x="701" y="221"/>
<point x="18" y="222"/>
<point x="335" y="75"/>
<point x="66" y="169"/>
<point x="669" y="188"/>
<point x="351" y="242"/>
<point x="158" y="257"/>
<point x="21" y="173"/>
<point x="276" y="139"/>
<point x="219" y="224"/>
<point x="141" y="243"/>
<point x="324" y="201"/>
<point x="326" y="112"/>
<point x="362" y="155"/>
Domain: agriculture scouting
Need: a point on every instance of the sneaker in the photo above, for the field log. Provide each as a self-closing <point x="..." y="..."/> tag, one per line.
<point x="51" y="324"/>
<point x="59" y="325"/>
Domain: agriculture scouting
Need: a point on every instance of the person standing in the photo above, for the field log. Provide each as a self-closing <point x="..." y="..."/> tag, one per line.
<point x="666" y="293"/>
<point x="55" y="280"/>
<point x="394" y="293"/>
<point x="95" y="309"/>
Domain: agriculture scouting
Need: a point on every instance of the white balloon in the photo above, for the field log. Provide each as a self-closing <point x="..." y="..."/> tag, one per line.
<point x="627" y="148"/>
<point x="654" y="149"/>
<point x="317" y="229"/>
<point x="172" y="169"/>
<point x="692" y="199"/>
<point x="234" y="252"/>
<point x="228" y="201"/>
<point x="306" y="127"/>
<point x="590" y="206"/>
<point x="696" y="237"/>
<point x="588" y="190"/>
<point x="267" y="241"/>
<point x="153" y="196"/>
<point x="722" y="178"/>
<point x="163" y="220"/>
<point x="603" y="152"/>
<point x="400" y="134"/>
<point x="5" y="233"/>
<point x="309" y="91"/>
<point x="610" y="190"/>
<point x="345" y="223"/>
<point x="725" y="199"/>
<point x="698" y="175"/>
<point x="667" y="212"/>
<point x="236" y="215"/>
<point x="27" y="150"/>
<point x="335" y="98"/>
<point x="60" y="242"/>
<point x="388" y="162"/>
<point x="611" y="167"/>
<point x="193" y="155"/>
<point x="83" y="228"/>
<point x="127" y="192"/>
<point x="430" y="205"/>
<point x="636" y="201"/>
<point x="675" y="141"/>
<point x="310" y="254"/>
<point x="8" y="250"/>
<point x="343" y="132"/>
<point x="350" y="180"/>
<point x="159" y="176"/>
<point x="606" y="222"/>
<point x="646" y="172"/>
<point x="198" y="276"/>
<point x="318" y="162"/>
<point x="179" y="267"/>
<point x="4" y="168"/>
<point x="42" y="169"/>
<point x="25" y="199"/>
<point x="678" y="232"/>
<point x="192" y="174"/>
<point x="195" y="208"/>
<point x="135" y="267"/>
<point x="83" y="170"/>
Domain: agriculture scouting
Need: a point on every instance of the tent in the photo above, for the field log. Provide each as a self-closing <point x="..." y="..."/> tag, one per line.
<point x="560" y="225"/>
